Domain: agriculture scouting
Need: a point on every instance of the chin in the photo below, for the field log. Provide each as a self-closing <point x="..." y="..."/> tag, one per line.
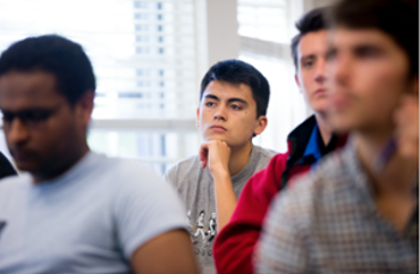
<point x="219" y="138"/>
<point x="341" y="126"/>
<point x="214" y="136"/>
<point x="27" y="166"/>
<point x="320" y="107"/>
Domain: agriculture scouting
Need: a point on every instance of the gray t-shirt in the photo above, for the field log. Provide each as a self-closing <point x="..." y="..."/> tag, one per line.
<point x="196" y="188"/>
<point x="89" y="220"/>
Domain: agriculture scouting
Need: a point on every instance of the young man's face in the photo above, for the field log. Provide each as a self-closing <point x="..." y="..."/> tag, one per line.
<point x="229" y="112"/>
<point x="41" y="127"/>
<point x="369" y="74"/>
<point x="311" y="74"/>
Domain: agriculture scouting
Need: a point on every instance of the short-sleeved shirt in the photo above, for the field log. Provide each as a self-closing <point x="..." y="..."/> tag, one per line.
<point x="327" y="222"/>
<point x="196" y="188"/>
<point x="91" y="219"/>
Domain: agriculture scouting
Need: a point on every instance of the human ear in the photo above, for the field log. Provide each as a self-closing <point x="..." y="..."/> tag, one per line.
<point x="261" y="125"/>
<point x="198" y="118"/>
<point x="84" y="107"/>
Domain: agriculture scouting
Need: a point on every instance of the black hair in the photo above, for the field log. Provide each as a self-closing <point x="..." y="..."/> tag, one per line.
<point x="397" y="18"/>
<point x="237" y="72"/>
<point x="54" y="54"/>
<point x="310" y="22"/>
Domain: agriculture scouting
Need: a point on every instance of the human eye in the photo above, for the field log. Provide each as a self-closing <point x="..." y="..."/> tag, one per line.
<point x="7" y="117"/>
<point x="368" y="52"/>
<point x="236" y="107"/>
<point x="36" y="116"/>
<point x="308" y="63"/>
<point x="209" y="104"/>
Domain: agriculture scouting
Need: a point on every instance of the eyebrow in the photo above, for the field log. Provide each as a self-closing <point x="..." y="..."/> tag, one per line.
<point x="210" y="96"/>
<point x="230" y="100"/>
<point x="307" y="57"/>
<point x="364" y="46"/>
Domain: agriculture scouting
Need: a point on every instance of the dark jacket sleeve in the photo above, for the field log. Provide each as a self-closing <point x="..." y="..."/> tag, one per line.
<point x="235" y="243"/>
<point x="6" y="168"/>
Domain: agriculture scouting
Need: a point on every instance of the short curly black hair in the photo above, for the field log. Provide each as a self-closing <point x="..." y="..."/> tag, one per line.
<point x="54" y="54"/>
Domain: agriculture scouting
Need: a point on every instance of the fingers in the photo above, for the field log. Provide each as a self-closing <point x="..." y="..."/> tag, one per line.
<point x="214" y="153"/>
<point x="406" y="119"/>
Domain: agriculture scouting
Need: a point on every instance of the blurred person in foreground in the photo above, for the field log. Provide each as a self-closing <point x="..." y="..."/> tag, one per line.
<point x="233" y="103"/>
<point x="308" y="143"/>
<point x="76" y="211"/>
<point x="353" y="215"/>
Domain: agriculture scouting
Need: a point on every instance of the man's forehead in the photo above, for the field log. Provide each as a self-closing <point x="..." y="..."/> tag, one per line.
<point x="226" y="90"/>
<point x="28" y="88"/>
<point x="313" y="43"/>
<point x="347" y="37"/>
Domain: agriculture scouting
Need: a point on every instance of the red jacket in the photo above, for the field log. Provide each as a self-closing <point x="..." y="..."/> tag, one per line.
<point x="234" y="245"/>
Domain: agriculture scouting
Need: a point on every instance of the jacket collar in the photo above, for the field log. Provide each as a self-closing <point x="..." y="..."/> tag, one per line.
<point x="298" y="139"/>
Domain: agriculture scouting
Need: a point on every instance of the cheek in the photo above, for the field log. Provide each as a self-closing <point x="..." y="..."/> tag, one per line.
<point x="383" y="86"/>
<point x="62" y="131"/>
<point x="246" y="123"/>
<point x="306" y="84"/>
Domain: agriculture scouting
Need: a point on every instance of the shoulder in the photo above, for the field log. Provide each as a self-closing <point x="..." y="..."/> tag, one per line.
<point x="279" y="159"/>
<point x="261" y="157"/>
<point x="183" y="169"/>
<point x="315" y="190"/>
<point x="15" y="181"/>
<point x="265" y="152"/>
<point x="126" y="169"/>
<point x="136" y="184"/>
<point x="125" y="179"/>
<point x="13" y="185"/>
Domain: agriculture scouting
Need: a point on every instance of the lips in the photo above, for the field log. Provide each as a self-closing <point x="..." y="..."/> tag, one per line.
<point x="218" y="128"/>
<point x="320" y="91"/>
<point x="340" y="101"/>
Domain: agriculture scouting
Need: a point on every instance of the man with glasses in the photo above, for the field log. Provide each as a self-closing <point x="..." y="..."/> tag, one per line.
<point x="76" y="211"/>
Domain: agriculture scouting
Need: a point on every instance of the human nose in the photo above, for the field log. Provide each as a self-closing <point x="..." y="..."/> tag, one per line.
<point x="16" y="131"/>
<point x="320" y="73"/>
<point x="220" y="113"/>
<point x="341" y="70"/>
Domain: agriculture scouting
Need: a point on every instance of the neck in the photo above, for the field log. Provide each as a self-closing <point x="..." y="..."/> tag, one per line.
<point x="324" y="128"/>
<point x="54" y="170"/>
<point x="397" y="176"/>
<point x="239" y="157"/>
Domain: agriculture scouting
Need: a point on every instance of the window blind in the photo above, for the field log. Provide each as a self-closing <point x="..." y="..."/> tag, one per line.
<point x="143" y="52"/>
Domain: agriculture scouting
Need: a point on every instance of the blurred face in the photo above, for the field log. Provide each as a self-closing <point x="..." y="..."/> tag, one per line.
<point x="229" y="112"/>
<point x="42" y="130"/>
<point x="369" y="76"/>
<point x="311" y="75"/>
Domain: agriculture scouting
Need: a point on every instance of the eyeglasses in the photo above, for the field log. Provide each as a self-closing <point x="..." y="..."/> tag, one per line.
<point x="31" y="117"/>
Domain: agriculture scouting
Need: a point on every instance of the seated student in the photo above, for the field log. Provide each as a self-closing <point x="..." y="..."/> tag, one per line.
<point x="6" y="169"/>
<point x="358" y="211"/>
<point x="76" y="211"/>
<point x="233" y="103"/>
<point x="308" y="143"/>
